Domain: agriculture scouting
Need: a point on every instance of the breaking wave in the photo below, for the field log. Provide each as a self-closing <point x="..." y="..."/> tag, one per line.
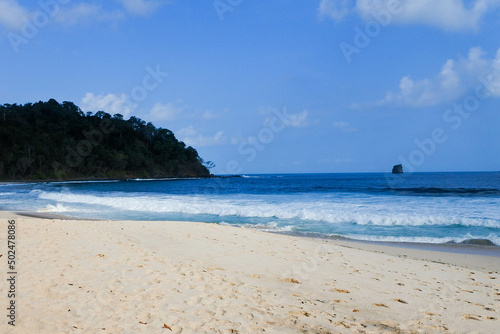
<point x="356" y="213"/>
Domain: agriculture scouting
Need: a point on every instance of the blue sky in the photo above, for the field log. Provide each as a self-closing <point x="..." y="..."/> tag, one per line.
<point x="275" y="86"/>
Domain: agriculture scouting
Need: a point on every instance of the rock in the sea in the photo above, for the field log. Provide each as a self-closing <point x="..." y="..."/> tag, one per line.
<point x="397" y="169"/>
<point x="480" y="242"/>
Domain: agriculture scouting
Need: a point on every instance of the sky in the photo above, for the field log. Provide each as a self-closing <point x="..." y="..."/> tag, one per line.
<point x="318" y="86"/>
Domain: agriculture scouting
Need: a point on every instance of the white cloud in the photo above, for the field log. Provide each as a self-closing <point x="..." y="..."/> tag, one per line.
<point x="141" y="7"/>
<point x="235" y="140"/>
<point x="290" y="120"/>
<point x="208" y="115"/>
<point x="86" y="12"/>
<point x="446" y="14"/>
<point x="492" y="80"/>
<point x="192" y="137"/>
<point x="187" y="132"/>
<point x="344" y="126"/>
<point x="296" y="120"/>
<point x="165" y="112"/>
<point x="110" y="103"/>
<point x="12" y="15"/>
<point x="335" y="9"/>
<point x="450" y="15"/>
<point x="455" y="78"/>
<point x="340" y="124"/>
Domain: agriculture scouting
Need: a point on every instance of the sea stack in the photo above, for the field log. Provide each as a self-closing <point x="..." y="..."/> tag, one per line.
<point x="397" y="169"/>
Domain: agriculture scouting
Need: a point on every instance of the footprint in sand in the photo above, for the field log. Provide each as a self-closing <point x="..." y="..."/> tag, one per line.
<point x="472" y="317"/>
<point x="381" y="305"/>
<point x="400" y="301"/>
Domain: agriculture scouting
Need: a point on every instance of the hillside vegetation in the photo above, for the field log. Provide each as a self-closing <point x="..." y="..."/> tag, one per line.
<point x="57" y="141"/>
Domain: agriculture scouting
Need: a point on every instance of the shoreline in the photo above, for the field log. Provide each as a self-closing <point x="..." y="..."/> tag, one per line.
<point x="467" y="249"/>
<point x="98" y="276"/>
<point x="459" y="248"/>
<point x="476" y="244"/>
<point x="110" y="179"/>
<point x="474" y="256"/>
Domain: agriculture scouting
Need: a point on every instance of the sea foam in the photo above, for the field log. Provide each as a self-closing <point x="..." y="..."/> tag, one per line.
<point x="333" y="212"/>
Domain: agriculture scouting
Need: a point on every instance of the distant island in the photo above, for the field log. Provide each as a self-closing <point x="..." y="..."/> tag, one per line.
<point x="397" y="169"/>
<point x="57" y="141"/>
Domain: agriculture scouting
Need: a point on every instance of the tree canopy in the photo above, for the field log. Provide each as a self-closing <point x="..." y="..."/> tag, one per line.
<point x="54" y="141"/>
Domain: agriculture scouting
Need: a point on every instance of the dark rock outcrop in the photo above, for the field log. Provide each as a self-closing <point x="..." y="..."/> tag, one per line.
<point x="397" y="169"/>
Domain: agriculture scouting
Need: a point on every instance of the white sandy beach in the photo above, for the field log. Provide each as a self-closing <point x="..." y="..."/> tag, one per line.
<point x="77" y="276"/>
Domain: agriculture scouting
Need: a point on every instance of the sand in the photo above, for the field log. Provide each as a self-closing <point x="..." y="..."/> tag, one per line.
<point x="78" y="276"/>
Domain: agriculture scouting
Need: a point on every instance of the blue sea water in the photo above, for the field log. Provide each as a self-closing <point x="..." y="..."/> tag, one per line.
<point x="418" y="207"/>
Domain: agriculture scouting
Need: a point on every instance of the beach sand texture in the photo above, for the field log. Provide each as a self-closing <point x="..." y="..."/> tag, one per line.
<point x="79" y="276"/>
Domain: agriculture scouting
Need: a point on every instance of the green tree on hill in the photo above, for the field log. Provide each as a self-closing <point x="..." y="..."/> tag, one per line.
<point x="51" y="140"/>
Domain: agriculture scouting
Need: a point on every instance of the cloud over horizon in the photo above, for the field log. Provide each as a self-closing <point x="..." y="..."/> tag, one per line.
<point x="110" y="103"/>
<point x="192" y="137"/>
<point x="165" y="112"/>
<point x="456" y="78"/>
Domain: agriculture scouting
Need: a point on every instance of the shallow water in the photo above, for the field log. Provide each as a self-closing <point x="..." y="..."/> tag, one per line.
<point x="416" y="208"/>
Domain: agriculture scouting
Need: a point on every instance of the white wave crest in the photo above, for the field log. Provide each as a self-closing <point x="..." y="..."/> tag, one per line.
<point x="83" y="181"/>
<point x="425" y="240"/>
<point x="55" y="208"/>
<point x="267" y="207"/>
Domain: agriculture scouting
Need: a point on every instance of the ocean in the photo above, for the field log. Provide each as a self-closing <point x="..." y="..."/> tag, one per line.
<point x="432" y="208"/>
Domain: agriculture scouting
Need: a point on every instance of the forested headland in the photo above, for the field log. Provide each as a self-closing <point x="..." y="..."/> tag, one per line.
<point x="57" y="141"/>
